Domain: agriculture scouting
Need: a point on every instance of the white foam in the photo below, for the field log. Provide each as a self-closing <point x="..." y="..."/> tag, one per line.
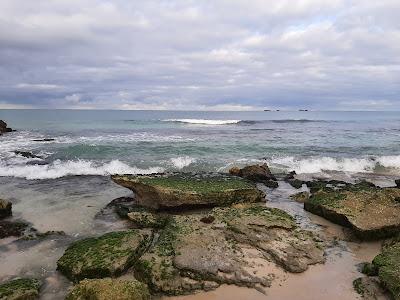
<point x="203" y="121"/>
<point x="182" y="161"/>
<point x="392" y="161"/>
<point x="77" y="167"/>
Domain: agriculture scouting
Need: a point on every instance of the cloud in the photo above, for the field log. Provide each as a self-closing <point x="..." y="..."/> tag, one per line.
<point x="221" y="54"/>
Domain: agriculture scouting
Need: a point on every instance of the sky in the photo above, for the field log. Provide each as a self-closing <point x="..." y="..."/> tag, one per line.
<point x="200" y="55"/>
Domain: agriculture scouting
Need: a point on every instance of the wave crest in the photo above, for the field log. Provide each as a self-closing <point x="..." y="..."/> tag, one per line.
<point x="203" y="121"/>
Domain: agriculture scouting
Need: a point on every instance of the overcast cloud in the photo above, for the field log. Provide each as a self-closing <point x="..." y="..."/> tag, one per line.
<point x="224" y="55"/>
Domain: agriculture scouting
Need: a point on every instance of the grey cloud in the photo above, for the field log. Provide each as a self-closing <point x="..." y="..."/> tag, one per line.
<point x="196" y="55"/>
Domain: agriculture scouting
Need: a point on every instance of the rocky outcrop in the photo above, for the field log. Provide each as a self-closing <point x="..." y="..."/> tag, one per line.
<point x="104" y="256"/>
<point x="202" y="251"/>
<point x="5" y="209"/>
<point x="106" y="289"/>
<point x="184" y="190"/>
<point x="256" y="173"/>
<point x="4" y="128"/>
<point x="20" y="289"/>
<point x="371" y="212"/>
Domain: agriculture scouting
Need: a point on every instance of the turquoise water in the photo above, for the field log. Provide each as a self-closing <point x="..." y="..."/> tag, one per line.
<point x="106" y="142"/>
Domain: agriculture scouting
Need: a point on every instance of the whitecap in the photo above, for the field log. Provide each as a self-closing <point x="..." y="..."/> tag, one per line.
<point x="182" y="161"/>
<point x="203" y="121"/>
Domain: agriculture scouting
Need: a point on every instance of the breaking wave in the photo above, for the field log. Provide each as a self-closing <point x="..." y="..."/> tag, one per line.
<point x="60" y="168"/>
<point x="182" y="161"/>
<point x="203" y="121"/>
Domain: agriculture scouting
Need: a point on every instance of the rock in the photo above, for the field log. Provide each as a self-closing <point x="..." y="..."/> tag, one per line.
<point x="105" y="289"/>
<point x="256" y="173"/>
<point x="317" y="185"/>
<point x="185" y="190"/>
<point x="397" y="182"/>
<point x="202" y="251"/>
<point x="20" y="289"/>
<point x="104" y="256"/>
<point x="5" y="209"/>
<point x="371" y="212"/>
<point x="27" y="154"/>
<point x="290" y="175"/>
<point x="300" y="197"/>
<point x="43" y="140"/>
<point x="369" y="288"/>
<point x="122" y="206"/>
<point x="147" y="219"/>
<point x="388" y="265"/>
<point x="12" y="228"/>
<point x="296" y="183"/>
<point x="4" y="128"/>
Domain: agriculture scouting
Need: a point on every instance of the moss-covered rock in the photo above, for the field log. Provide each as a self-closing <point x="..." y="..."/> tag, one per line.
<point x="106" y="289"/>
<point x="256" y="173"/>
<point x="369" y="288"/>
<point x="20" y="289"/>
<point x="371" y="212"/>
<point x="300" y="197"/>
<point x="104" y="256"/>
<point x="388" y="265"/>
<point x="182" y="190"/>
<point x="5" y="208"/>
<point x="296" y="183"/>
<point x="147" y="219"/>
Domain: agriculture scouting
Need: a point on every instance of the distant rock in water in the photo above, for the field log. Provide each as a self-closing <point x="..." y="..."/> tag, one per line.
<point x="186" y="190"/>
<point x="4" y="128"/>
<point x="256" y="173"/>
<point x="27" y="154"/>
<point x="43" y="140"/>
<point x="370" y="211"/>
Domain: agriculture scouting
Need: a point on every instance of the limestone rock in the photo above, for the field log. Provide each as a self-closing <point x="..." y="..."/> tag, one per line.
<point x="185" y="190"/>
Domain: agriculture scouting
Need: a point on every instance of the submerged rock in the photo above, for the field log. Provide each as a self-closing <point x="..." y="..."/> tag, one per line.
<point x="26" y="154"/>
<point x="256" y="173"/>
<point x="44" y="140"/>
<point x="12" y="228"/>
<point x="388" y="266"/>
<point x="104" y="256"/>
<point x="183" y="190"/>
<point x="106" y="289"/>
<point x="371" y="212"/>
<point x="20" y="289"/>
<point x="5" y="209"/>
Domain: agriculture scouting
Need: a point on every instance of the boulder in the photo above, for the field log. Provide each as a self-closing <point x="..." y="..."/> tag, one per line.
<point x="106" y="289"/>
<point x="371" y="212"/>
<point x="20" y="289"/>
<point x="387" y="264"/>
<point x="185" y="190"/>
<point x="296" y="183"/>
<point x="5" y="209"/>
<point x="256" y="173"/>
<point x="104" y="256"/>
<point x="12" y="228"/>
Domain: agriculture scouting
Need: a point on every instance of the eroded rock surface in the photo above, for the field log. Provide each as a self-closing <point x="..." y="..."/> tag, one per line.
<point x="20" y="289"/>
<point x="106" y="289"/>
<point x="371" y="212"/>
<point x="180" y="190"/>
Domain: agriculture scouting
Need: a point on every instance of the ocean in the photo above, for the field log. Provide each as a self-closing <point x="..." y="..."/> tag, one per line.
<point x="106" y="142"/>
<point x="45" y="194"/>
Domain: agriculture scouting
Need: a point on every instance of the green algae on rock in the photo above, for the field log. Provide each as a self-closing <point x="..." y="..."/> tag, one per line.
<point x="371" y="212"/>
<point x="369" y="288"/>
<point x="107" y="288"/>
<point x="388" y="265"/>
<point x="104" y="256"/>
<point x="20" y="289"/>
<point x="201" y="251"/>
<point x="180" y="190"/>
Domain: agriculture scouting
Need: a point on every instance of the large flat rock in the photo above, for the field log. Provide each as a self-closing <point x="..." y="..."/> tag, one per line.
<point x="371" y="212"/>
<point x="180" y="190"/>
